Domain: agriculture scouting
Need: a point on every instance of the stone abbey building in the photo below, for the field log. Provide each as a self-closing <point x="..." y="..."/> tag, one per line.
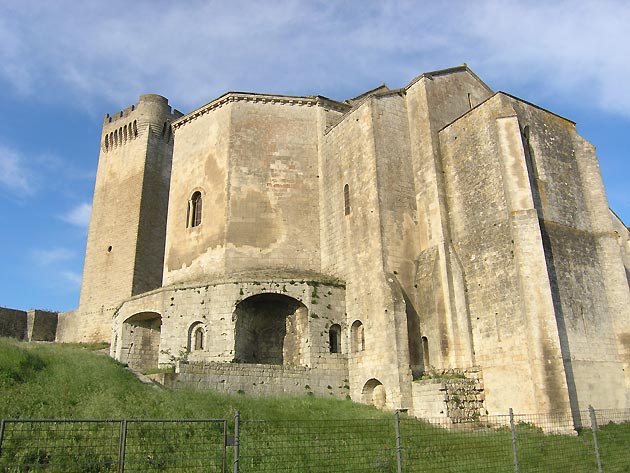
<point x="270" y="243"/>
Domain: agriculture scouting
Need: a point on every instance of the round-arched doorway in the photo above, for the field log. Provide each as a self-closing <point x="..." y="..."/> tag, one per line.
<point x="270" y="329"/>
<point x="374" y="393"/>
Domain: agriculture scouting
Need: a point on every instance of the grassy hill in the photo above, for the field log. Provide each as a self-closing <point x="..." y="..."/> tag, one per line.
<point x="44" y="381"/>
<point x="300" y="434"/>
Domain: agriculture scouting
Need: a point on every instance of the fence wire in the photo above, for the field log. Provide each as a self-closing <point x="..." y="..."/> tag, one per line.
<point x="59" y="446"/>
<point x="613" y="439"/>
<point x="589" y="441"/>
<point x="175" y="445"/>
<point x="316" y="446"/>
<point x="113" y="445"/>
<point x="438" y="445"/>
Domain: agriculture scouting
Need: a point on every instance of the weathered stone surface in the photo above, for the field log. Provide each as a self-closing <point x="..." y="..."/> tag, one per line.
<point x="264" y="243"/>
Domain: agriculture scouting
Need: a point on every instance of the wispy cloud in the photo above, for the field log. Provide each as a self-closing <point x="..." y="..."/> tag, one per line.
<point x="567" y="48"/>
<point x="52" y="256"/>
<point x="14" y="176"/>
<point x="79" y="215"/>
<point x="71" y="277"/>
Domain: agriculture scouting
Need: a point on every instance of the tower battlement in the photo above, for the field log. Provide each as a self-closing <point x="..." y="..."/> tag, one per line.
<point x="145" y="101"/>
<point x="151" y="112"/>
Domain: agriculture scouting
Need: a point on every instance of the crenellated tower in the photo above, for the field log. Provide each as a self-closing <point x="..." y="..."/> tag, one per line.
<point x="125" y="247"/>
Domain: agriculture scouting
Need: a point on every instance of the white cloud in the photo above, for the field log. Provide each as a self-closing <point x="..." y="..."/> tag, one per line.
<point x="192" y="51"/>
<point x="79" y="215"/>
<point x="52" y="256"/>
<point x="14" y="176"/>
<point x="73" y="278"/>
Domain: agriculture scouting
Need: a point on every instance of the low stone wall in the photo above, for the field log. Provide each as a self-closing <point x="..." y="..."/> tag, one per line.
<point x="458" y="399"/>
<point x="263" y="380"/>
<point x="41" y="325"/>
<point x="12" y="323"/>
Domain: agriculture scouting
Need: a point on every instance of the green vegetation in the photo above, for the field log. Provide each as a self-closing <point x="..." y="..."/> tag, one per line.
<point x="44" y="381"/>
<point x="39" y="381"/>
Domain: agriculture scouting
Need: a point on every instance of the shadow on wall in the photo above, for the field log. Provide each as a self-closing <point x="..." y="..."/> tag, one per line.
<point x="140" y="340"/>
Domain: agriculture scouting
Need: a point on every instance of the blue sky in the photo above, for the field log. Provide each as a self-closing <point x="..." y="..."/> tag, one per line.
<point x="64" y="65"/>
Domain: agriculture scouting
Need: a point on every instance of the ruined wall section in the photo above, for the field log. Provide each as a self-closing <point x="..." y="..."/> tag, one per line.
<point x="200" y="164"/>
<point x="495" y="232"/>
<point x="121" y="235"/>
<point x="273" y="207"/>
<point x="437" y="289"/>
<point x="213" y="307"/>
<point x="584" y="264"/>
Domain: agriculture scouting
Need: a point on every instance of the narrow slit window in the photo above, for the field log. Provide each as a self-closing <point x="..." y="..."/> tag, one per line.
<point x="346" y="199"/>
<point x="425" y="353"/>
<point x="194" y="210"/>
<point x="334" y="338"/>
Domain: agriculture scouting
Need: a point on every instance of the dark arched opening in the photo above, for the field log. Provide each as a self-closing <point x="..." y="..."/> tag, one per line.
<point x="334" y="338"/>
<point x="270" y="329"/>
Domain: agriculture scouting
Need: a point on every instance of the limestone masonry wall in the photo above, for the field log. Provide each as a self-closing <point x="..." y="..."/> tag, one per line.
<point x="267" y="380"/>
<point x="274" y="244"/>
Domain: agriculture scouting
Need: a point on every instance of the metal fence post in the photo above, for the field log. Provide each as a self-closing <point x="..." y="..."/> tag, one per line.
<point x="514" y="450"/>
<point x="398" y="447"/>
<point x="122" y="444"/>
<point x="1" y="434"/>
<point x="591" y="413"/>
<point x="237" y="440"/>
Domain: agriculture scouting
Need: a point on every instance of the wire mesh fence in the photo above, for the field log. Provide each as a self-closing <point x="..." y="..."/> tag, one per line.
<point x="315" y="446"/>
<point x="588" y="441"/>
<point x="68" y="446"/>
<point x="112" y="445"/>
<point x="437" y="445"/>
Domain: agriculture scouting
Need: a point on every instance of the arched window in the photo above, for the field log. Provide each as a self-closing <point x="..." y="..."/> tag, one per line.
<point x="357" y="335"/>
<point x="125" y="133"/>
<point x="346" y="199"/>
<point x="135" y="128"/>
<point x="106" y="142"/>
<point x="334" y="338"/>
<point x="198" y="338"/>
<point x="116" y="137"/>
<point x="194" y="210"/>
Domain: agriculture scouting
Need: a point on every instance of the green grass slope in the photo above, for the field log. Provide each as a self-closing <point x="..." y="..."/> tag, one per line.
<point x="302" y="434"/>
<point x="51" y="381"/>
